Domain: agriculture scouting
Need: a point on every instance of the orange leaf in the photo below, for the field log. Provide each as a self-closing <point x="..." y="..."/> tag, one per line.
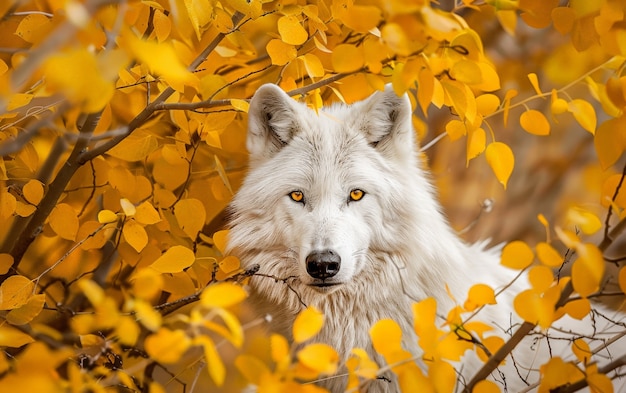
<point x="28" y="311"/>
<point x="548" y="255"/>
<point x="251" y="368"/>
<point x="6" y="261"/>
<point x="135" y="147"/>
<point x="13" y="338"/>
<point x="33" y="191"/>
<point x="63" y="221"/>
<point x="15" y="292"/>
<point x="313" y="65"/>
<point x="610" y="141"/>
<point x="583" y="219"/>
<point x="486" y="386"/>
<point x="540" y="278"/>
<point x="190" y="215"/>
<point x="486" y="104"/>
<point x="500" y="159"/>
<point x="455" y="129"/>
<point x="517" y="255"/>
<point x="534" y="81"/>
<point x="146" y="214"/>
<point x="534" y="122"/>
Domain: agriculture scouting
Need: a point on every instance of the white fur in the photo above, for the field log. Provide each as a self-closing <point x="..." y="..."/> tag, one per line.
<point x="395" y="245"/>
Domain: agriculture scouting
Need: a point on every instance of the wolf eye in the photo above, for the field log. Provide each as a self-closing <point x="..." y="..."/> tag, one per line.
<point x="297" y="196"/>
<point x="356" y="195"/>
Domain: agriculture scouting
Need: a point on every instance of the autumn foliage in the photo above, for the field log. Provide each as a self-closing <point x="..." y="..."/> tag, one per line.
<point x="122" y="139"/>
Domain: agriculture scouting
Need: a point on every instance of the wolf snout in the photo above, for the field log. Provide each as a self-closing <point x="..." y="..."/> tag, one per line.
<point x="323" y="264"/>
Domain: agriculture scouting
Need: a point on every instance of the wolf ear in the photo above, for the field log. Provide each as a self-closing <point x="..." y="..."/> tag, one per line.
<point x="272" y="121"/>
<point x="385" y="120"/>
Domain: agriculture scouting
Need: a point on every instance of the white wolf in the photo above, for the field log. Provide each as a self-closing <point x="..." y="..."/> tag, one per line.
<point x="336" y="205"/>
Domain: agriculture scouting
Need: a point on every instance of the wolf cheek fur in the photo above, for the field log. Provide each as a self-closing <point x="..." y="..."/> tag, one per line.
<point x="356" y="259"/>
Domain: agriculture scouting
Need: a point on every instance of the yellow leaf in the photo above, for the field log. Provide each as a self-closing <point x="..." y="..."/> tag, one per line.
<point x="252" y="369"/>
<point x="28" y="311"/>
<point x="127" y="330"/>
<point x="222" y="174"/>
<point x="455" y="129"/>
<point x="128" y="207"/>
<point x="610" y="141"/>
<point x="219" y="240"/>
<point x="476" y="140"/>
<point x="386" y="337"/>
<point x="534" y="308"/>
<point x="548" y="255"/>
<point x="540" y="278"/>
<point x="233" y="331"/>
<point x="500" y="159"/>
<point x="534" y="81"/>
<point x="135" y="235"/>
<point x="517" y="255"/>
<point x="313" y="65"/>
<point x="493" y="344"/>
<point x="222" y="295"/>
<point x="33" y="191"/>
<point x="486" y="386"/>
<point x="347" y="58"/>
<point x="557" y="105"/>
<point x="81" y="77"/>
<point x="466" y="71"/>
<point x="13" y="338"/>
<point x="479" y="295"/>
<point x="599" y="383"/>
<point x="363" y="366"/>
<point x="534" y="122"/>
<point x="578" y="308"/>
<point x="63" y="221"/>
<point x="190" y="215"/>
<point x="588" y="269"/>
<point x="240" y="105"/>
<point x="443" y="376"/>
<point x="15" y="292"/>
<point x="319" y="357"/>
<point x="556" y="373"/>
<point x="167" y="346"/>
<point x="174" y="260"/>
<point x="213" y="87"/>
<point x="214" y="363"/>
<point x="280" y="53"/>
<point x="426" y="88"/>
<point x="34" y="28"/>
<point x="291" y="30"/>
<point x="360" y="18"/>
<point x="279" y="348"/>
<point x="200" y="14"/>
<point x="147" y="315"/>
<point x="307" y="324"/>
<point x="583" y="219"/>
<point x="162" y="60"/>
<point x="229" y="264"/>
<point x="569" y="238"/>
<point x="106" y="217"/>
<point x="6" y="261"/>
<point x="584" y="114"/>
<point x="486" y="104"/>
<point x="135" y="147"/>
<point x="146" y="214"/>
<point x="147" y="283"/>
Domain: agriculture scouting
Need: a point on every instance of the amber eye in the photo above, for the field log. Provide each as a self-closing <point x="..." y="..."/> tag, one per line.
<point x="296" y="196"/>
<point x="356" y="194"/>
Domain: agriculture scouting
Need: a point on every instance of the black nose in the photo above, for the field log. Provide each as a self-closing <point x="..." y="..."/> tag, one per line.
<point x="323" y="264"/>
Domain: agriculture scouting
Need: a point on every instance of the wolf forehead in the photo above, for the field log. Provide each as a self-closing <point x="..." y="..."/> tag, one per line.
<point x="275" y="121"/>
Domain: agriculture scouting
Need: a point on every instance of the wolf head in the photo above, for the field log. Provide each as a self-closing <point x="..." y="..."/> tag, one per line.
<point x="328" y="192"/>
